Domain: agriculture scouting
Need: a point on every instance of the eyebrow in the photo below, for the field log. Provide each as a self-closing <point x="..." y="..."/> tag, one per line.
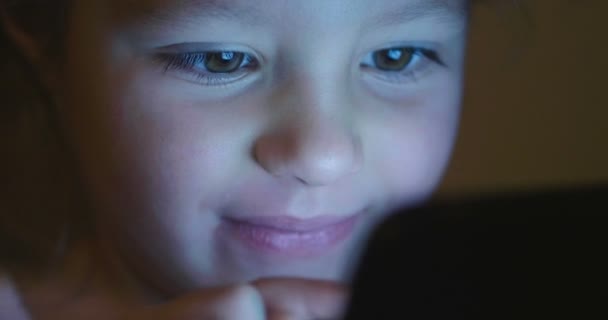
<point x="186" y="11"/>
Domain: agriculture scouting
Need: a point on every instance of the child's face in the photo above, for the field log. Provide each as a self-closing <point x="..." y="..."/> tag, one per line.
<point x="220" y="140"/>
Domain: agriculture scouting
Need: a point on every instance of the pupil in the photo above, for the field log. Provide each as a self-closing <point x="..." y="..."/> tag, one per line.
<point x="224" y="62"/>
<point x="393" y="59"/>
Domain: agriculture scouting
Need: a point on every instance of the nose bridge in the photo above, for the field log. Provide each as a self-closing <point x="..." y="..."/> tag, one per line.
<point x="317" y="97"/>
<point x="314" y="95"/>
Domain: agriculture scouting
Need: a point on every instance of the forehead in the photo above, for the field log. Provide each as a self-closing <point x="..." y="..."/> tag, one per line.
<point x="271" y="11"/>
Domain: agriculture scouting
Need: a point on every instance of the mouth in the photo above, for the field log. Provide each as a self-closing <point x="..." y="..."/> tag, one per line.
<point x="286" y="236"/>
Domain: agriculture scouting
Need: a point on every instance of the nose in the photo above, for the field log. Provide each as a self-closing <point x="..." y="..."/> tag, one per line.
<point x="314" y="153"/>
<point x="313" y="145"/>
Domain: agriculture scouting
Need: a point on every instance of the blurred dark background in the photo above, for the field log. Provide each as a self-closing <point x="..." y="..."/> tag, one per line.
<point x="536" y="103"/>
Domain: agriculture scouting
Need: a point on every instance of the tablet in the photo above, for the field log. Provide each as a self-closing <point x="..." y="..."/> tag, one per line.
<point x="522" y="255"/>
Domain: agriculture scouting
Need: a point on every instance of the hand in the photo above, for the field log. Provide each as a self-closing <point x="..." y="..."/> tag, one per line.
<point x="265" y="299"/>
<point x="301" y="299"/>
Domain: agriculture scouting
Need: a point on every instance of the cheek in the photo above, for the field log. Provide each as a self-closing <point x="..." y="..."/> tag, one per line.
<point x="173" y="152"/>
<point x="166" y="156"/>
<point x="414" y="148"/>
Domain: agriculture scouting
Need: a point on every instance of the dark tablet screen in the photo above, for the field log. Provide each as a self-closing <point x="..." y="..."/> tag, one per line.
<point x="531" y="255"/>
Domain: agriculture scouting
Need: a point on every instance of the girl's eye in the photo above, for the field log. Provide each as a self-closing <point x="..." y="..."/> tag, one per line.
<point x="401" y="63"/>
<point x="393" y="59"/>
<point x="211" y="67"/>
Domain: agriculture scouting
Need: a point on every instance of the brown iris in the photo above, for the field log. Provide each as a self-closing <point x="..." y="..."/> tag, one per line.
<point x="223" y="61"/>
<point x="395" y="59"/>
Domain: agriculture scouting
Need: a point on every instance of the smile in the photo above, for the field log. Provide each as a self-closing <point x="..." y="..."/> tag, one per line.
<point x="281" y="235"/>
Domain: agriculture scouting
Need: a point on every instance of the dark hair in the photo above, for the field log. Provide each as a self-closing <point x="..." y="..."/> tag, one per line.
<point x="37" y="185"/>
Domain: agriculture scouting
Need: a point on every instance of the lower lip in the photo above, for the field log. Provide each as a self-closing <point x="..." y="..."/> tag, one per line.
<point x="275" y="241"/>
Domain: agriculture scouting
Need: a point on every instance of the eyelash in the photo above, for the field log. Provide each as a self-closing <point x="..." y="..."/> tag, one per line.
<point x="188" y="63"/>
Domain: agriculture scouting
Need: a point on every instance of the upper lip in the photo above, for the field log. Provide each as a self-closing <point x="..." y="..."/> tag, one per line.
<point x="292" y="224"/>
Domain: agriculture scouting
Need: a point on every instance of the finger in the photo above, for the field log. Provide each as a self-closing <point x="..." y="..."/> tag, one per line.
<point x="241" y="302"/>
<point x="301" y="298"/>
